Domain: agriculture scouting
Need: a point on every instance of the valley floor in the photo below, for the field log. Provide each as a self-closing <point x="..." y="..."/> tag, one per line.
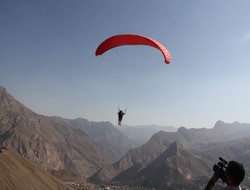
<point x="90" y="186"/>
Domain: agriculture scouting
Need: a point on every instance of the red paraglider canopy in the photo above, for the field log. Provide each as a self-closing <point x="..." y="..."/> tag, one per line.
<point x="131" y="39"/>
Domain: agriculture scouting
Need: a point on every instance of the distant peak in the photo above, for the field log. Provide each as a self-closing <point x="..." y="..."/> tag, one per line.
<point x="182" y="129"/>
<point x="3" y="92"/>
<point x="219" y="124"/>
<point x="2" y="89"/>
<point x="185" y="133"/>
<point x="173" y="149"/>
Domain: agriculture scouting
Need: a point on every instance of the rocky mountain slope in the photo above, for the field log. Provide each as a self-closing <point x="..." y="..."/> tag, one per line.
<point x="158" y="163"/>
<point x="67" y="152"/>
<point x="135" y="160"/>
<point x="180" y="159"/>
<point x="174" y="166"/>
<point x="21" y="174"/>
<point x="112" y="143"/>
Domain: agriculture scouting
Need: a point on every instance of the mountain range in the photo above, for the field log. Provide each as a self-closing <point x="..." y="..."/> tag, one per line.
<point x="142" y="133"/>
<point x="98" y="152"/>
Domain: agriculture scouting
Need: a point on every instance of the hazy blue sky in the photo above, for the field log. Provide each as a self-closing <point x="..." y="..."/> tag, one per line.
<point x="48" y="63"/>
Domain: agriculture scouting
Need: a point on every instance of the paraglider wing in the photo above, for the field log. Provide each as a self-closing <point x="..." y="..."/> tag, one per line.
<point x="131" y="39"/>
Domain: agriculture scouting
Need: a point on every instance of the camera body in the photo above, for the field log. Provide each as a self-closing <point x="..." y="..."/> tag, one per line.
<point x="220" y="169"/>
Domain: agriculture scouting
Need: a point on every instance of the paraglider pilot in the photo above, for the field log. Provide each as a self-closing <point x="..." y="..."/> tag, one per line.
<point x="120" y="115"/>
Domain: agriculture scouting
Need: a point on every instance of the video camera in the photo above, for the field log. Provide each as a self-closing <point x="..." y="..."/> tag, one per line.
<point x="220" y="169"/>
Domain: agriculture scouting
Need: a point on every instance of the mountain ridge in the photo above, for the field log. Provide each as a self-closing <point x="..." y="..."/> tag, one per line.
<point x="112" y="143"/>
<point x="167" y="160"/>
<point x="38" y="137"/>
